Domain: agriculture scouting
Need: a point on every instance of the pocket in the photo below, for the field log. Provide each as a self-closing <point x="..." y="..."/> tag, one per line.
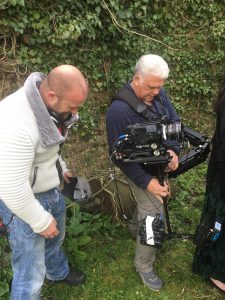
<point x="56" y="203"/>
<point x="18" y="227"/>
<point x="20" y="235"/>
<point x="26" y="230"/>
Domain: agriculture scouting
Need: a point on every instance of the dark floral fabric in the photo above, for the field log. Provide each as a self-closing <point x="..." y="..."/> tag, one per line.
<point x="210" y="260"/>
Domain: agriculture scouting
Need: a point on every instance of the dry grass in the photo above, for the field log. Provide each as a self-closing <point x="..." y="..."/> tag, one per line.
<point x="87" y="156"/>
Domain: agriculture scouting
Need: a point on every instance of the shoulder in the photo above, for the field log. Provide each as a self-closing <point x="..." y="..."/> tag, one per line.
<point x="119" y="106"/>
<point x="163" y="95"/>
<point x="165" y="99"/>
<point x="15" y="103"/>
<point x="16" y="115"/>
<point x="120" y="114"/>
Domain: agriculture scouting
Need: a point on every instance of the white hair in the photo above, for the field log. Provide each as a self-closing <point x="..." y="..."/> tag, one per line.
<point x="152" y="64"/>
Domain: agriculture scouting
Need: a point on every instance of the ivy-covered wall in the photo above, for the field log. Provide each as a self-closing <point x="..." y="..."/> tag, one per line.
<point x="106" y="37"/>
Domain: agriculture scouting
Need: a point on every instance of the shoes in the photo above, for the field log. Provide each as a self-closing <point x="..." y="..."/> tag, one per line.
<point x="151" y="280"/>
<point x="216" y="286"/>
<point x="75" y="277"/>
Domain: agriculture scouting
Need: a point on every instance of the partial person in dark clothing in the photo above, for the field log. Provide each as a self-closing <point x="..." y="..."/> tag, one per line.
<point x="145" y="88"/>
<point x="209" y="261"/>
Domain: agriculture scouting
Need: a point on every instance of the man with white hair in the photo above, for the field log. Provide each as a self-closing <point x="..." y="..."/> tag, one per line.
<point x="145" y="88"/>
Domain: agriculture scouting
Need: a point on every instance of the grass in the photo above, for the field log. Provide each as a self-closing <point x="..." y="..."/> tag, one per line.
<point x="111" y="274"/>
<point x="109" y="264"/>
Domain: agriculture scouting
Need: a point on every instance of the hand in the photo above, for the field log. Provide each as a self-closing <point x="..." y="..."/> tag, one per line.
<point x="158" y="190"/>
<point x="51" y="231"/>
<point x="174" y="163"/>
<point x="66" y="176"/>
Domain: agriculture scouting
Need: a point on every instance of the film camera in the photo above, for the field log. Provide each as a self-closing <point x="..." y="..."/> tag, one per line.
<point x="147" y="142"/>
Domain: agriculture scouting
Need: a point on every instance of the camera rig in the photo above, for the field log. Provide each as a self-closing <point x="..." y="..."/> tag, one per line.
<point x="147" y="143"/>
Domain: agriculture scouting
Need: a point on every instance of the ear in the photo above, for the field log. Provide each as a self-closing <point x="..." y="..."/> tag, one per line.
<point x="52" y="99"/>
<point x="136" y="80"/>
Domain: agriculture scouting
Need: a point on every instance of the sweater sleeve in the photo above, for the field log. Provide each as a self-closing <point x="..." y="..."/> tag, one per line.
<point x="63" y="165"/>
<point x="17" y="152"/>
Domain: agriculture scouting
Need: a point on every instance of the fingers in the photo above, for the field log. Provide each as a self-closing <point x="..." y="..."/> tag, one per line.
<point x="158" y="190"/>
<point x="159" y="198"/>
<point x="174" y="163"/>
<point x="51" y="235"/>
<point x="172" y="166"/>
<point x="163" y="192"/>
<point x="51" y="231"/>
<point x="67" y="176"/>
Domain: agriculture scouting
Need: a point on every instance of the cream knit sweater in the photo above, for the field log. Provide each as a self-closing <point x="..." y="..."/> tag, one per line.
<point x="29" y="143"/>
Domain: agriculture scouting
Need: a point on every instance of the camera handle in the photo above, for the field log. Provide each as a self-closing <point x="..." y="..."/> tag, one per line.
<point x="170" y="234"/>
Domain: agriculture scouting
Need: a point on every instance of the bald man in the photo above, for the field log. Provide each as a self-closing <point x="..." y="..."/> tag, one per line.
<point x="33" y="125"/>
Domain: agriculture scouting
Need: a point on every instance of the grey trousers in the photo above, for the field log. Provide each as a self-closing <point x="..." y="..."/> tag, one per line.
<point x="147" y="204"/>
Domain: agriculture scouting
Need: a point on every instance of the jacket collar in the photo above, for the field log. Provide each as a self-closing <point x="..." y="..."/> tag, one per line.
<point x="49" y="134"/>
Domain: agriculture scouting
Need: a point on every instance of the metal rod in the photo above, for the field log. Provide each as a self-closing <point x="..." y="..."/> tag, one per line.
<point x="167" y="215"/>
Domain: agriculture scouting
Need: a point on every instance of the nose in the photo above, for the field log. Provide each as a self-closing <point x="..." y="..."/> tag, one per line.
<point x="74" y="110"/>
<point x="156" y="91"/>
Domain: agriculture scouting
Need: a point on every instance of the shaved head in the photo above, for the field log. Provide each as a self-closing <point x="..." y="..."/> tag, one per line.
<point x="64" y="89"/>
<point x="65" y="78"/>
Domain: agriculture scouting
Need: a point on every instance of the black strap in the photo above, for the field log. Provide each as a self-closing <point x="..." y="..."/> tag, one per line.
<point x="126" y="95"/>
<point x="35" y="177"/>
<point x="130" y="98"/>
<point x="60" y="171"/>
<point x="59" y="122"/>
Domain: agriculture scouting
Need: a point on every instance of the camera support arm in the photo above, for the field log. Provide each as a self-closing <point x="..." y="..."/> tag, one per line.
<point x="196" y="156"/>
<point x="161" y="177"/>
<point x="170" y="233"/>
<point x="137" y="146"/>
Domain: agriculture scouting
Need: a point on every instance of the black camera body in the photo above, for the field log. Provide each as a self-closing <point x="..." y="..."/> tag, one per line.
<point x="147" y="142"/>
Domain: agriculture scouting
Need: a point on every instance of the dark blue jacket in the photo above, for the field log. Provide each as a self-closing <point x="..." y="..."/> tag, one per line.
<point x="120" y="115"/>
